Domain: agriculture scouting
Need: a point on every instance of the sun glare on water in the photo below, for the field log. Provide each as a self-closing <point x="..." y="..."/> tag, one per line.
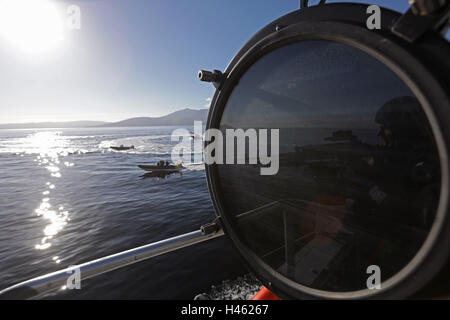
<point x="33" y="26"/>
<point x="49" y="147"/>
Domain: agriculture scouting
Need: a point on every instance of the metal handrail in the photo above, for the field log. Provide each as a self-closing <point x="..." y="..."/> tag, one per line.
<point x="57" y="280"/>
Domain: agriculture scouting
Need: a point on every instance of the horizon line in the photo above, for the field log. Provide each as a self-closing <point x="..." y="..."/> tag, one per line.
<point x="105" y="122"/>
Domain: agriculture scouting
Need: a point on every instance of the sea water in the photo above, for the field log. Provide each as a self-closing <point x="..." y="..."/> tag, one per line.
<point x="66" y="198"/>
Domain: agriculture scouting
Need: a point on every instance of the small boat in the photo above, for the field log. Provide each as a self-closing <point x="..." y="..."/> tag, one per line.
<point x="161" y="168"/>
<point x="194" y="135"/>
<point x="342" y="135"/>
<point x="122" y="148"/>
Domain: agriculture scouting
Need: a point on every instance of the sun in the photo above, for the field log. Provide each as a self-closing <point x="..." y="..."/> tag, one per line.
<point x="33" y="26"/>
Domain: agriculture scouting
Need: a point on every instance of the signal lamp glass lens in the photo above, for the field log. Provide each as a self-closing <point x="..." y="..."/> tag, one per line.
<point x="359" y="174"/>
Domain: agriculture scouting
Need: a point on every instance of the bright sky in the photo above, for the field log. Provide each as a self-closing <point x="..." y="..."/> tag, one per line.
<point x="130" y="58"/>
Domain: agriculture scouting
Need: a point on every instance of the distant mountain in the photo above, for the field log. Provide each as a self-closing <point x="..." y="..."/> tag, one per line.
<point x="181" y="117"/>
<point x="41" y="125"/>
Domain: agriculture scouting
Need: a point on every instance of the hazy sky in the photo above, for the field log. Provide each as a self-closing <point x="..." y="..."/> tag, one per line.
<point x="130" y="58"/>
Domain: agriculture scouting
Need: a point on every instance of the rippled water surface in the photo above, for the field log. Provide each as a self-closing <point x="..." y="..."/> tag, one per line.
<point x="67" y="198"/>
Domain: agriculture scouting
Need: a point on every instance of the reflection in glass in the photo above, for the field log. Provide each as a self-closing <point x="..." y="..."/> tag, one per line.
<point x="359" y="173"/>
